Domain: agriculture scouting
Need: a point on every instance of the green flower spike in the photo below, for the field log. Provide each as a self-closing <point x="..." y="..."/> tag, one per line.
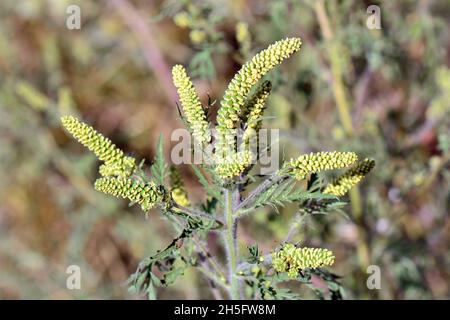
<point x="254" y="107"/>
<point x="253" y="111"/>
<point x="191" y="104"/>
<point x="178" y="190"/>
<point x="122" y="169"/>
<point x="316" y="162"/>
<point x="236" y="94"/>
<point x="292" y="260"/>
<point x="345" y="182"/>
<point x="250" y="73"/>
<point x="145" y="194"/>
<point x="116" y="163"/>
<point x="234" y="165"/>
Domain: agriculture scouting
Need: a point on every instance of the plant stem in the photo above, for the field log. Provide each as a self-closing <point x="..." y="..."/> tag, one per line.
<point x="293" y="229"/>
<point x="230" y="244"/>
<point x="212" y="261"/>
<point x="212" y="276"/>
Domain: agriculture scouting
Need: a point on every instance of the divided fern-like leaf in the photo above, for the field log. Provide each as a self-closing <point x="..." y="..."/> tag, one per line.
<point x="284" y="193"/>
<point x="210" y="189"/>
<point x="159" y="168"/>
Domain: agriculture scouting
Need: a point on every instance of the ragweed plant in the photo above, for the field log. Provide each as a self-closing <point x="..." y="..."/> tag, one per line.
<point x="226" y="180"/>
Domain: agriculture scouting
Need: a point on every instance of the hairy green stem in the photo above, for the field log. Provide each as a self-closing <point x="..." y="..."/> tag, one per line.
<point x="231" y="245"/>
<point x="212" y="261"/>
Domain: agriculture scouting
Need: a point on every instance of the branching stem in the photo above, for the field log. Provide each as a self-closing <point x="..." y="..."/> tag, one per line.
<point x="230" y="244"/>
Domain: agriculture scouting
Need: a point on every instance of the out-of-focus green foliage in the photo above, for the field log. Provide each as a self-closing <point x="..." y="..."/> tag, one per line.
<point x="394" y="83"/>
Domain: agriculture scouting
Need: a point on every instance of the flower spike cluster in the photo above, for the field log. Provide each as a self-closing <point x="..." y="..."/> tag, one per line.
<point x="250" y="73"/>
<point x="146" y="194"/>
<point x="351" y="177"/>
<point x="191" y="104"/>
<point x="242" y="108"/>
<point x="115" y="161"/>
<point x="317" y="162"/>
<point x="236" y="96"/>
<point x="292" y="260"/>
<point x="178" y="190"/>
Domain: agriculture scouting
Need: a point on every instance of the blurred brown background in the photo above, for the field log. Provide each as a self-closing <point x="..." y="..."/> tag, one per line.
<point x="114" y="73"/>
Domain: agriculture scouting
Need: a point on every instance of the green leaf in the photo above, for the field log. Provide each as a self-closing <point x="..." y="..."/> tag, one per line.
<point x="210" y="189"/>
<point x="254" y="254"/>
<point x="144" y="280"/>
<point x="286" y="294"/>
<point x="171" y="276"/>
<point x="151" y="291"/>
<point x="155" y="279"/>
<point x="159" y="167"/>
<point x="141" y="279"/>
<point x="284" y="193"/>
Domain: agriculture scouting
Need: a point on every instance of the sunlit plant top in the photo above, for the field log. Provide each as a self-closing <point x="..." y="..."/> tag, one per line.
<point x="226" y="180"/>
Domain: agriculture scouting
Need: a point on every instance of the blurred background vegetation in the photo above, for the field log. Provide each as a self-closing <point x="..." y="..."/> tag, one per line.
<point x="382" y="93"/>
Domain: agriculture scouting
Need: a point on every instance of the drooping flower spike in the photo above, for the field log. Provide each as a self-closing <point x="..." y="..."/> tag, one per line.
<point x="316" y="162"/>
<point x="192" y="107"/>
<point x="350" y="178"/>
<point x="116" y="163"/>
<point x="292" y="260"/>
<point x="146" y="194"/>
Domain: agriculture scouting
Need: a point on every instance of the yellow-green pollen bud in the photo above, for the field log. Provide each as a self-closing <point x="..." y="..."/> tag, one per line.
<point x="292" y="260"/>
<point x="317" y="162"/>
<point x="146" y="194"/>
<point x="234" y="165"/>
<point x="192" y="107"/>
<point x="236" y="94"/>
<point x="250" y="73"/>
<point x="182" y="19"/>
<point x="253" y="111"/>
<point x="116" y="163"/>
<point x="122" y="169"/>
<point x="197" y="36"/>
<point x="350" y="178"/>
